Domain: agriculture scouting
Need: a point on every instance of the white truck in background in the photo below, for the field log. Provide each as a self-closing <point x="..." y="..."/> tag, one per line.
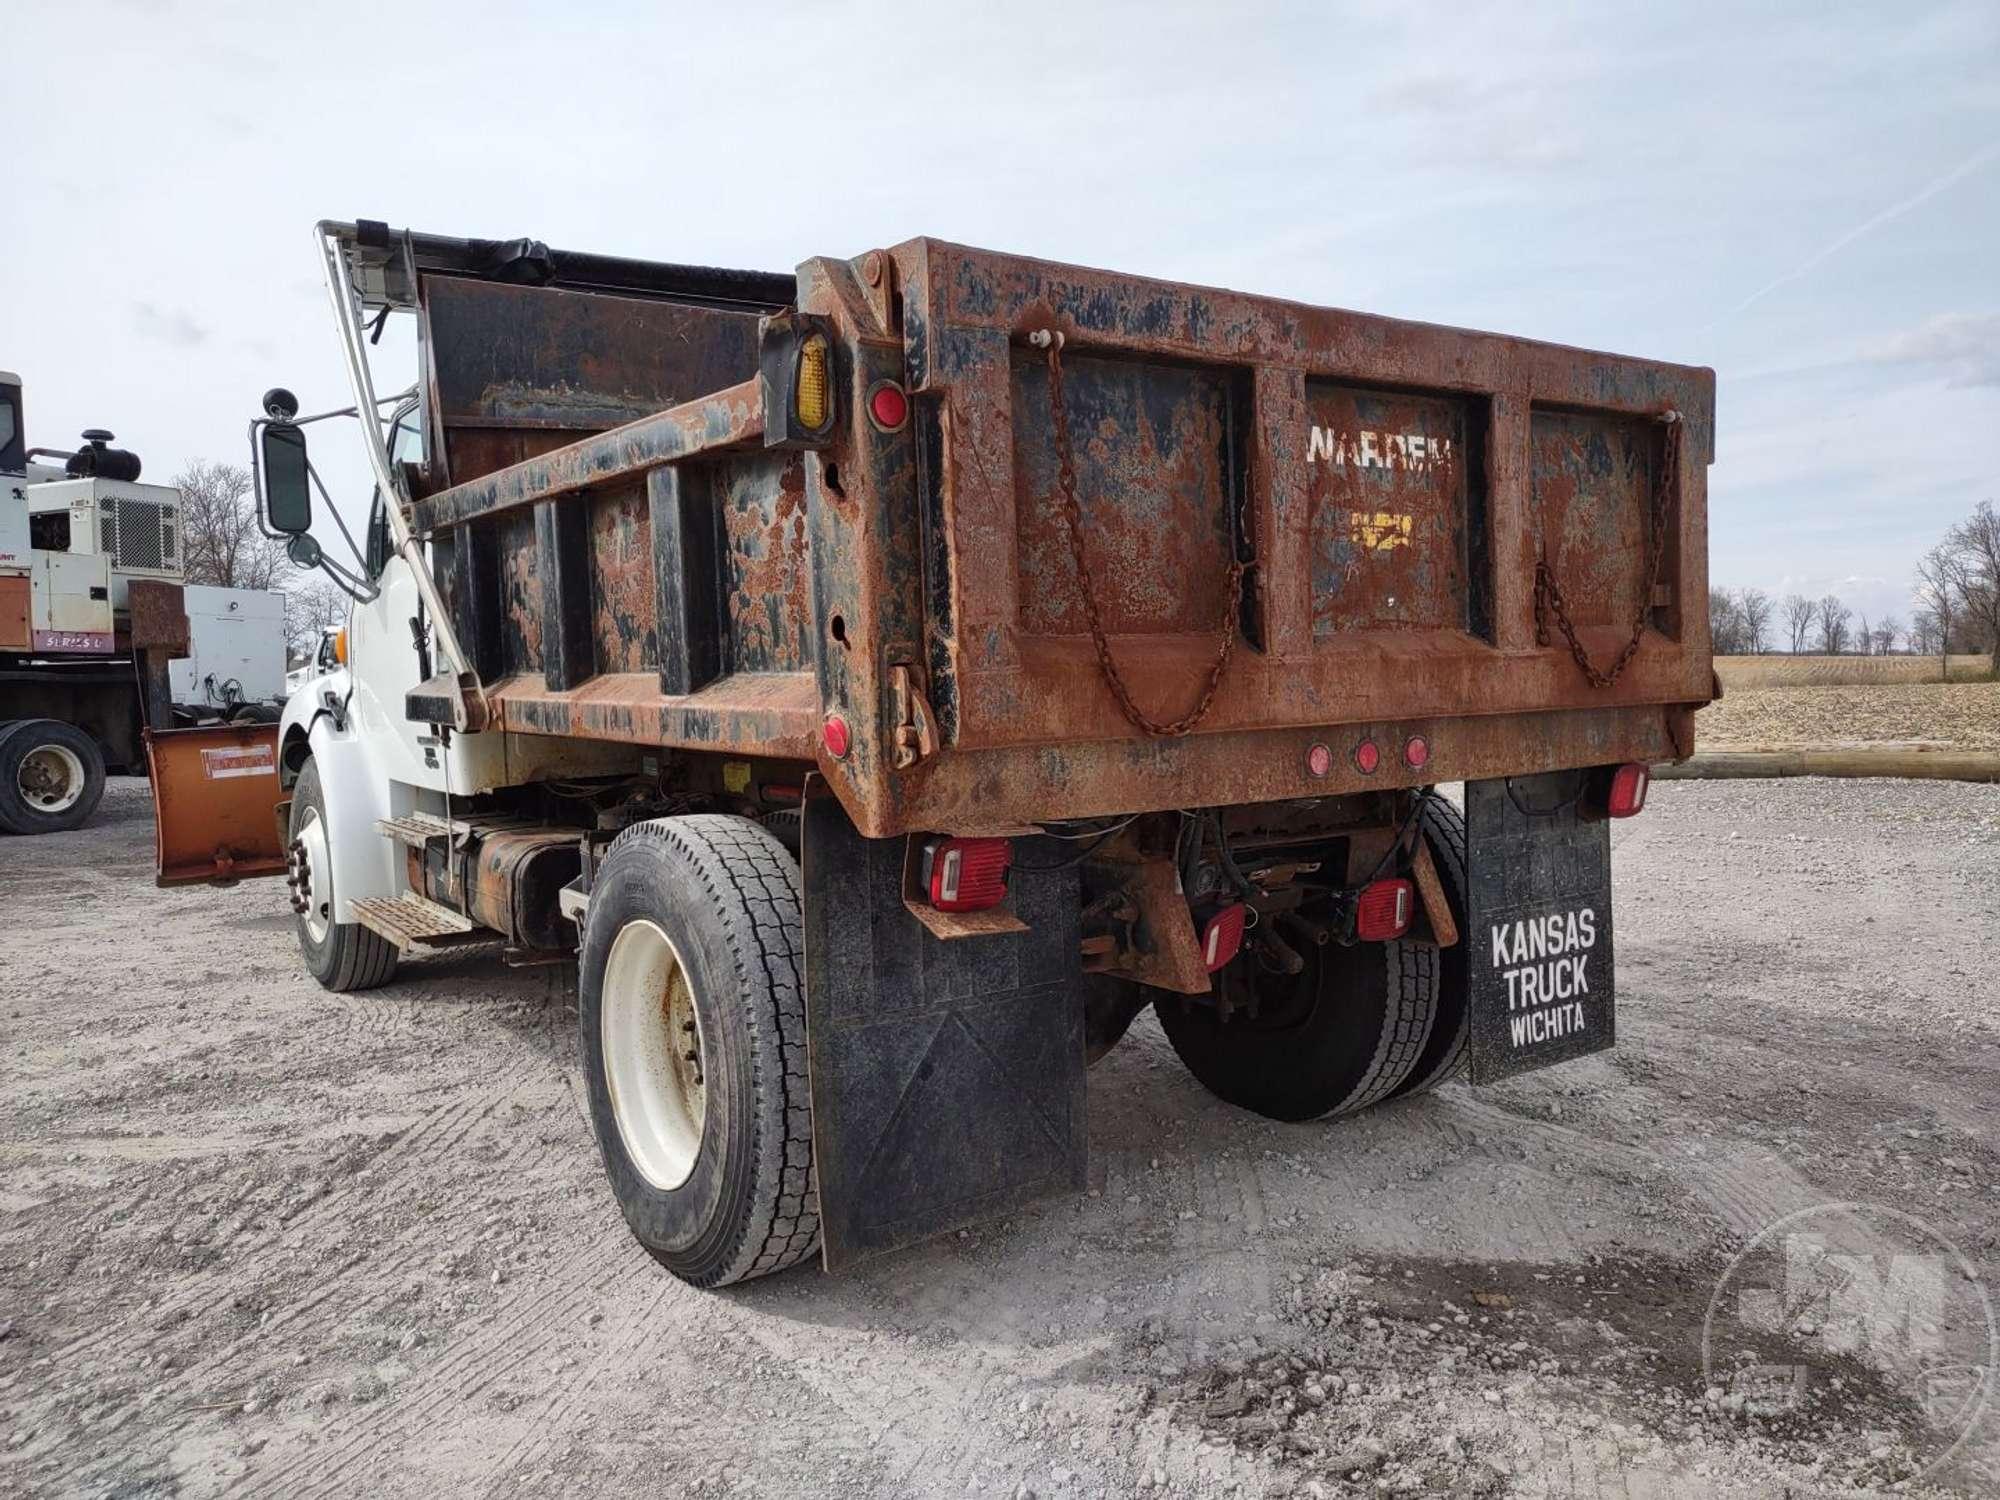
<point x="100" y="637"/>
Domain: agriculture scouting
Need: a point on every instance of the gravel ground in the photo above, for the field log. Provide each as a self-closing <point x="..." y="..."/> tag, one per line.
<point x="259" y="1239"/>
<point x="1963" y="715"/>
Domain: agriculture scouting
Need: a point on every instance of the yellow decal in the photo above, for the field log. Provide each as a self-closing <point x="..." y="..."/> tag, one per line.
<point x="736" y="775"/>
<point x="1382" y="530"/>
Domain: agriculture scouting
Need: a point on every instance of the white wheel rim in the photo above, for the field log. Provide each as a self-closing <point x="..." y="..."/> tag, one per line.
<point x="651" y="1036"/>
<point x="50" y="778"/>
<point x="315" y="876"/>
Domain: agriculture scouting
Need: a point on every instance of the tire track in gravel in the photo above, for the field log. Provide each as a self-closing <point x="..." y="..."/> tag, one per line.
<point x="510" y="1340"/>
<point x="429" y="1140"/>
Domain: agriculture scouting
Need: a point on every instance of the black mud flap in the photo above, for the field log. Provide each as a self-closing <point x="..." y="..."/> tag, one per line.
<point x="1541" y="987"/>
<point x="947" y="1077"/>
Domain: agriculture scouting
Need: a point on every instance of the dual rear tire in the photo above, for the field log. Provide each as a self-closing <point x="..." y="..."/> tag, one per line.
<point x="1359" y="1026"/>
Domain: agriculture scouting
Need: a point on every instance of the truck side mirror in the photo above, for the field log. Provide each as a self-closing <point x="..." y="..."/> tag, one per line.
<point x="287" y="484"/>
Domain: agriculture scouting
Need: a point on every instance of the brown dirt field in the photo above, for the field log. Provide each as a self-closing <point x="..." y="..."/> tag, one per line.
<point x="1961" y="715"/>
<point x="1842" y="671"/>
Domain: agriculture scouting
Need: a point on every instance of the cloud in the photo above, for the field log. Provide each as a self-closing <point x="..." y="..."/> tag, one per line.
<point x="170" y="325"/>
<point x="1964" y="346"/>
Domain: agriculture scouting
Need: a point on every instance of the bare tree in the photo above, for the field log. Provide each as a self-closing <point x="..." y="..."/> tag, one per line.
<point x="1800" y="612"/>
<point x="1886" y="635"/>
<point x="220" y="540"/>
<point x="1726" y="629"/>
<point x="1755" y="607"/>
<point x="312" y="603"/>
<point x="1939" y="586"/>
<point x="1832" y="618"/>
<point x="1924" y="634"/>
<point x="1976" y="540"/>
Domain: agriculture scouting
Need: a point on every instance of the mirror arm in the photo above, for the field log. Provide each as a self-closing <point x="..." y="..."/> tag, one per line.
<point x="470" y="715"/>
<point x="360" y="557"/>
<point x="357" y="588"/>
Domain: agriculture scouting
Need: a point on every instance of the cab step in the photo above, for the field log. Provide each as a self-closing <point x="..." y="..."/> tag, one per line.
<point x="417" y="829"/>
<point x="413" y="922"/>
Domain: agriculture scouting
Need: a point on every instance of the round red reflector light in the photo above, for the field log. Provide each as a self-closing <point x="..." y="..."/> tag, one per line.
<point x="1367" y="756"/>
<point x="833" y="734"/>
<point x="888" y="406"/>
<point x="1319" y="760"/>
<point x="1417" y="753"/>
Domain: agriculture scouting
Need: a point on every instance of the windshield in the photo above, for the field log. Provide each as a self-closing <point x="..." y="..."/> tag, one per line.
<point x="406" y="438"/>
<point x="13" y="451"/>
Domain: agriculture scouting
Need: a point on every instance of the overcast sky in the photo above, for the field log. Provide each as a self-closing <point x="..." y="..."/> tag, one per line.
<point x="1805" y="197"/>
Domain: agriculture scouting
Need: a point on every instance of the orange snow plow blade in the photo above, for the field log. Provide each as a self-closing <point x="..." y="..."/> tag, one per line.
<point x="215" y="798"/>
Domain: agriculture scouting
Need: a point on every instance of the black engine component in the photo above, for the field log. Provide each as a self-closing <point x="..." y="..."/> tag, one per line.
<point x="96" y="460"/>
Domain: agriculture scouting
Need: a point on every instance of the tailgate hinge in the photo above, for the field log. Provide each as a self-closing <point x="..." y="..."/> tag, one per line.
<point x="916" y="724"/>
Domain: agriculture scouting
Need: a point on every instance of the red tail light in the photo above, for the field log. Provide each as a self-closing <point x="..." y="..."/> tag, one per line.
<point x="888" y="407"/>
<point x="1628" y="790"/>
<point x="1384" y="911"/>
<point x="1223" y="936"/>
<point x="967" y="874"/>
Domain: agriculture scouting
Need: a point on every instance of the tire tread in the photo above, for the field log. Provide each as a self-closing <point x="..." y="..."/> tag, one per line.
<point x="750" y="881"/>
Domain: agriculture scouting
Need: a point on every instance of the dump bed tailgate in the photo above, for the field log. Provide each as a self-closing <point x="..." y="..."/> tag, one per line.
<point x="1391" y="488"/>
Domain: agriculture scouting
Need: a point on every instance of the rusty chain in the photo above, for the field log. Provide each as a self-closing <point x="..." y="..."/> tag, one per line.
<point x="1072" y="514"/>
<point x="1548" y="593"/>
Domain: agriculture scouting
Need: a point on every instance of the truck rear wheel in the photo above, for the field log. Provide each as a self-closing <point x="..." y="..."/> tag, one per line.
<point x="342" y="956"/>
<point x="692" y="1029"/>
<point x="1331" y="1040"/>
<point x="51" y="776"/>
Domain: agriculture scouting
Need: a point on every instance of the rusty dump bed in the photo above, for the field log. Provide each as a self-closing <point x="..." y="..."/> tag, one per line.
<point x="640" y="541"/>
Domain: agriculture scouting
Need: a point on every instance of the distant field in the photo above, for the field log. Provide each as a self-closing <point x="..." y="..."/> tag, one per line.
<point x="1808" y="714"/>
<point x="1842" y="671"/>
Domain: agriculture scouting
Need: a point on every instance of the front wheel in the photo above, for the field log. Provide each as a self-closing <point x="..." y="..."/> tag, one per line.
<point x="342" y="956"/>
<point x="692" y="1030"/>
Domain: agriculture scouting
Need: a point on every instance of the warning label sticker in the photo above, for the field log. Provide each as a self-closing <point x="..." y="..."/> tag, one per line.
<point x="232" y="760"/>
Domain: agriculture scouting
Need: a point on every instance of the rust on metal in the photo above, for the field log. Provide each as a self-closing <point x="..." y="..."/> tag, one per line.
<point x="1388" y="493"/>
<point x="1592" y="507"/>
<point x="1387" y="488"/>
<point x="1423" y="869"/>
<point x="727" y="419"/>
<point x="622" y="580"/>
<point x="518" y="371"/>
<point x="774" y="715"/>
<point x="213" y="790"/>
<point x="767" y="595"/>
<point x="1136" y="900"/>
<point x="158" y="614"/>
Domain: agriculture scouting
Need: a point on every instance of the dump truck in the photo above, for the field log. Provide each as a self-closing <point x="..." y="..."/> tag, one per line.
<point x="885" y="682"/>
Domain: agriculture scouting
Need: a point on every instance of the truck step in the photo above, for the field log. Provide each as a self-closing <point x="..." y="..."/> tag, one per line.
<point x="410" y="921"/>
<point x="417" y="829"/>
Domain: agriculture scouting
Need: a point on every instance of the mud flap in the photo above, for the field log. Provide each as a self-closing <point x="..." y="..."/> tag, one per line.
<point x="1541" y="988"/>
<point x="947" y="1077"/>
